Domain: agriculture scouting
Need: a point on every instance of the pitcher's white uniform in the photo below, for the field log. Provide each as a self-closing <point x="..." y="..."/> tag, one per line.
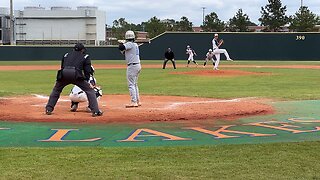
<point x="215" y="46"/>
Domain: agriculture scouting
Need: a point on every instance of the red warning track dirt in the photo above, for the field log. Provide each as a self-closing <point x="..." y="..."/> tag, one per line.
<point x="153" y="109"/>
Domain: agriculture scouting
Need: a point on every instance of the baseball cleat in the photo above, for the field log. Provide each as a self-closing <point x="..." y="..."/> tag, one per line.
<point x="139" y="104"/>
<point x="74" y="108"/>
<point x="229" y="60"/>
<point x="95" y="114"/>
<point x="48" y="112"/>
<point x="132" y="105"/>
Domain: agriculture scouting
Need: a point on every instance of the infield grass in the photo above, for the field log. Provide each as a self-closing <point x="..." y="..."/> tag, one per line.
<point x="258" y="161"/>
<point x="284" y="84"/>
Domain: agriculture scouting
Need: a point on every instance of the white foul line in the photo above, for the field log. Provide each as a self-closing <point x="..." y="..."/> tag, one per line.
<point x="47" y="97"/>
<point x="174" y="105"/>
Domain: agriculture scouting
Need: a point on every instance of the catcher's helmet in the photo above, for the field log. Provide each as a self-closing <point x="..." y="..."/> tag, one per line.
<point x="79" y="47"/>
<point x="129" y="35"/>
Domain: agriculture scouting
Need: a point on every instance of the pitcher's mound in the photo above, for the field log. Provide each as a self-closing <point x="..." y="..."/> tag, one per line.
<point x="154" y="108"/>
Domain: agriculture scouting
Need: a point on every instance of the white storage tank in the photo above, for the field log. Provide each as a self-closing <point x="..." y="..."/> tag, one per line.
<point x="60" y="8"/>
<point x="34" y="8"/>
<point x="87" y="8"/>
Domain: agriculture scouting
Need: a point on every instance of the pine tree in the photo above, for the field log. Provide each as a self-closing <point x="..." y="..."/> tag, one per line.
<point x="274" y="15"/>
<point x="212" y="23"/>
<point x="183" y="25"/>
<point x="154" y="27"/>
<point x="304" y="20"/>
<point x="240" y="22"/>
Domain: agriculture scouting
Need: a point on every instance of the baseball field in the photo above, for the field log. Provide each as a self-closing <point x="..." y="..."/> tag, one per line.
<point x="250" y="120"/>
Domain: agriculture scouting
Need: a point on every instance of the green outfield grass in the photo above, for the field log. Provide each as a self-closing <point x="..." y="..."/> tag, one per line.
<point x="259" y="161"/>
<point x="267" y="161"/>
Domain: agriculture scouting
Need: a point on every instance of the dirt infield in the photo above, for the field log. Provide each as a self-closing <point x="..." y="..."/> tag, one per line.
<point x="154" y="109"/>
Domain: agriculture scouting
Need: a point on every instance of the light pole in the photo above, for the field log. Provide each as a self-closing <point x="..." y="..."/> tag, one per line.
<point x="203" y="8"/>
<point x="301" y="3"/>
<point x="11" y="24"/>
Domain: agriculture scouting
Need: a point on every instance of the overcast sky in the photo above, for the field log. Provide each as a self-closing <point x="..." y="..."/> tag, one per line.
<point x="137" y="11"/>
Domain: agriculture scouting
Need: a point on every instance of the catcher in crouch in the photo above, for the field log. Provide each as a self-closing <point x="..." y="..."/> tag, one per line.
<point x="77" y="95"/>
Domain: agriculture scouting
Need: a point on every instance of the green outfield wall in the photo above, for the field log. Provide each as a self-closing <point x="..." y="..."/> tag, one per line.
<point x="241" y="46"/>
<point x="38" y="53"/>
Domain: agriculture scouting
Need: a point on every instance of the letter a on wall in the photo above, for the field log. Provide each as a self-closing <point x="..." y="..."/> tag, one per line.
<point x="137" y="133"/>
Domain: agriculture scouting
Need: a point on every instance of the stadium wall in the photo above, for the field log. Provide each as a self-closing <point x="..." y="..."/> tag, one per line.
<point x="38" y="53"/>
<point x="241" y="46"/>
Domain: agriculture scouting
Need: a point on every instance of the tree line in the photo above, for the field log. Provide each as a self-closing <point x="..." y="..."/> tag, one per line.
<point x="273" y="18"/>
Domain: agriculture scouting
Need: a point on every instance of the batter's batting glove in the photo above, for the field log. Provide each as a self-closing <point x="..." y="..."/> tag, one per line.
<point x="121" y="41"/>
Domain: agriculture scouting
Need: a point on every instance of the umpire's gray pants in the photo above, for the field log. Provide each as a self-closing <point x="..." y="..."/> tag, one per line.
<point x="55" y="94"/>
<point x="132" y="78"/>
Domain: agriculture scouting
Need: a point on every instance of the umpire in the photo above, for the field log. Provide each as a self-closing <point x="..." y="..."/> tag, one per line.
<point x="169" y="55"/>
<point x="75" y="69"/>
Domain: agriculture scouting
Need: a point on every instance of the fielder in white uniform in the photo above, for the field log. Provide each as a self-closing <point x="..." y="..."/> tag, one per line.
<point x="131" y="52"/>
<point x="191" y="53"/>
<point x="216" y="43"/>
<point x="77" y="95"/>
<point x="209" y="57"/>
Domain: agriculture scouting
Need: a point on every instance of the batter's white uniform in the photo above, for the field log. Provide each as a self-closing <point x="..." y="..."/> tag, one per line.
<point x="217" y="52"/>
<point x="132" y="57"/>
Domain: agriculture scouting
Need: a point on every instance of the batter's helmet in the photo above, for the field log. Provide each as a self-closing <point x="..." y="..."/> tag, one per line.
<point x="129" y="35"/>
